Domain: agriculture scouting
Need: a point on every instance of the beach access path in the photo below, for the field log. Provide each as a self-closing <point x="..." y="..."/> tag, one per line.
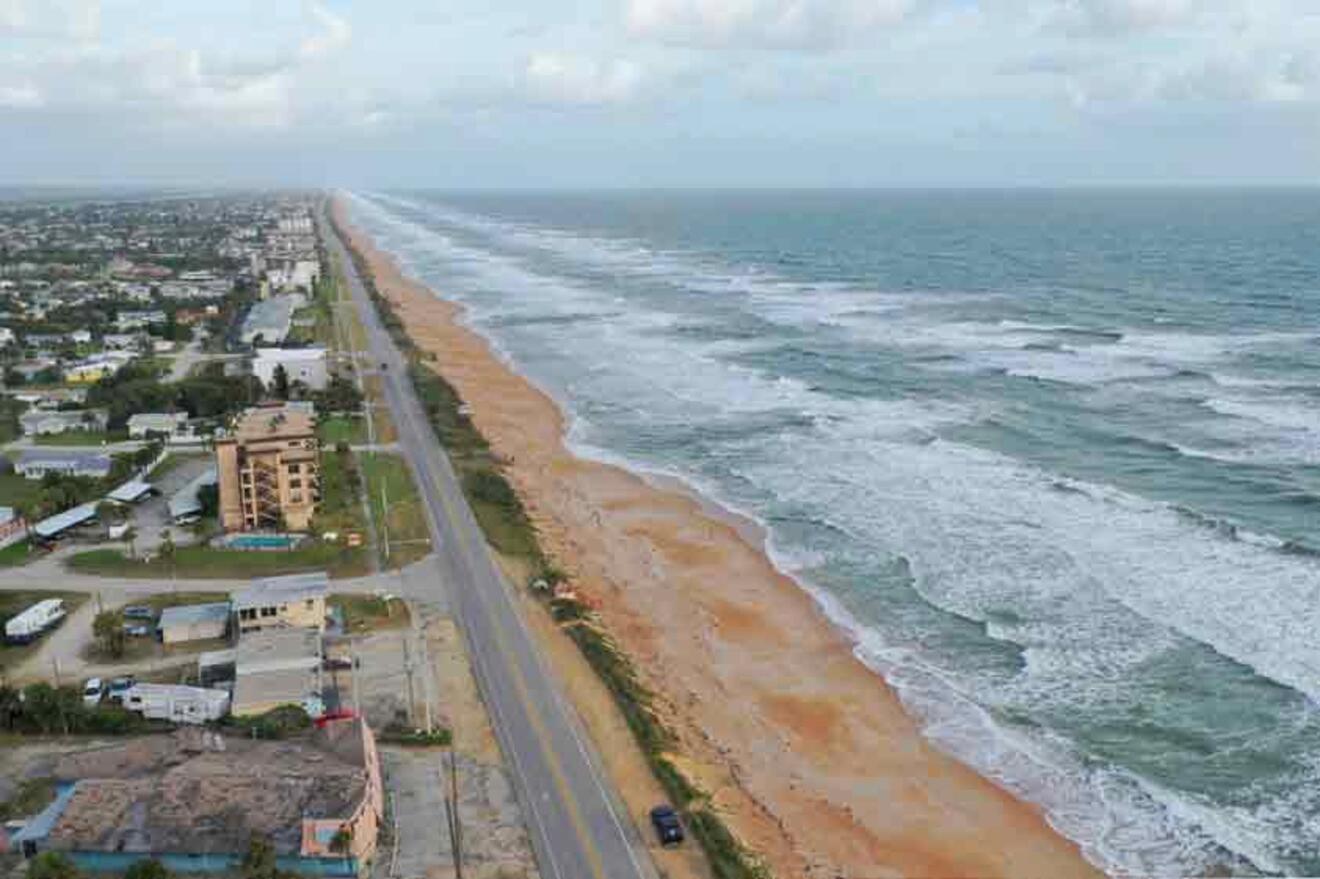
<point x="578" y="827"/>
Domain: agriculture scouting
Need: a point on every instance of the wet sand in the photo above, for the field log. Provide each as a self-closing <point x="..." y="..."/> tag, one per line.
<point x="806" y="751"/>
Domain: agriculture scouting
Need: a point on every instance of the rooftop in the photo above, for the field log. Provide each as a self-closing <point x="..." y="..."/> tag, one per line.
<point x="194" y="613"/>
<point x="200" y="792"/>
<point x="268" y="591"/>
<point x="272" y="422"/>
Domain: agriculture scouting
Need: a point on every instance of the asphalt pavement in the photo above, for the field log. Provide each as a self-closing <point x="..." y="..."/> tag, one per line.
<point x="577" y="824"/>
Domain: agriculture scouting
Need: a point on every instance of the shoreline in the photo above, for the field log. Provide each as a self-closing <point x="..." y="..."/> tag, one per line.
<point x="808" y="752"/>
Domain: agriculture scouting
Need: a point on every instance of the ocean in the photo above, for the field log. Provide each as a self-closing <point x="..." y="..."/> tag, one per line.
<point x="1053" y="458"/>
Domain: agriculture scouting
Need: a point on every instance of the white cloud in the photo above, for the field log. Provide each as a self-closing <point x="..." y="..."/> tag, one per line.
<point x="24" y="96"/>
<point x="334" y="34"/>
<point x="775" y="24"/>
<point x="1111" y="18"/>
<point x="78" y="20"/>
<point x="560" y="78"/>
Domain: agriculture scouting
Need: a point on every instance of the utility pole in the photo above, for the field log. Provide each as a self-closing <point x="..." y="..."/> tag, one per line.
<point x="385" y="520"/>
<point x="452" y="823"/>
<point x="408" y="670"/>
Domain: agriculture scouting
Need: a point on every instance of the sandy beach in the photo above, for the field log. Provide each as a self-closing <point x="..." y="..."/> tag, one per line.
<point x="806" y="751"/>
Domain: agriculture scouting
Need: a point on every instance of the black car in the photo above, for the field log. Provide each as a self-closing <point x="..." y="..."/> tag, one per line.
<point x="667" y="825"/>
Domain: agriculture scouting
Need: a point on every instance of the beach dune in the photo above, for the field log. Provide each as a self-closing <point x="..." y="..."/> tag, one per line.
<point x="806" y="751"/>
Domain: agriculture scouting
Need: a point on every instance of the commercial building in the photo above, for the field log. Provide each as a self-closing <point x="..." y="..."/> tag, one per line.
<point x="196" y="801"/>
<point x="268" y="470"/>
<point x="306" y="365"/>
<point x="193" y="622"/>
<point x="294" y="601"/>
<point x="278" y="667"/>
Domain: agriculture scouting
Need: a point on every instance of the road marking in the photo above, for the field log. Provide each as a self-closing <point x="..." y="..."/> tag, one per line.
<point x="520" y="683"/>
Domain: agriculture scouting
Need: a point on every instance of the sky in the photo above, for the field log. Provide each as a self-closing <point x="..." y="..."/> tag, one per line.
<point x="659" y="93"/>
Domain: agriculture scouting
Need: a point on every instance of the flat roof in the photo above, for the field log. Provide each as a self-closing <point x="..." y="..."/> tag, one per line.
<point x="277" y="650"/>
<point x="62" y="522"/>
<point x="187" y="614"/>
<point x="131" y="492"/>
<point x="269" y="422"/>
<point x="283" y="590"/>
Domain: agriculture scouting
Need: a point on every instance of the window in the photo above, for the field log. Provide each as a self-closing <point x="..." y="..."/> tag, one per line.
<point x="295" y="468"/>
<point x="311" y="603"/>
<point x="247" y="613"/>
<point x="268" y="612"/>
<point x="295" y="483"/>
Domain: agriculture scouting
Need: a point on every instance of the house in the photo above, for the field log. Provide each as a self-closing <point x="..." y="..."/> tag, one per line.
<point x="92" y="370"/>
<point x="193" y="622"/>
<point x="46" y="422"/>
<point x="36" y="463"/>
<point x="305" y="365"/>
<point x="7" y="337"/>
<point x="269" y="320"/>
<point x="293" y="601"/>
<point x="146" y="424"/>
<point x="278" y="667"/>
<point x="80" y="337"/>
<point x="269" y="471"/>
<point x="196" y="800"/>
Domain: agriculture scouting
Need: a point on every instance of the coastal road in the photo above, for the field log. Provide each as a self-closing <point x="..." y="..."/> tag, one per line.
<point x="576" y="826"/>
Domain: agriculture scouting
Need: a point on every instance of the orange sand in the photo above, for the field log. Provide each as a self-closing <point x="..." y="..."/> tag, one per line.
<point x="806" y="751"/>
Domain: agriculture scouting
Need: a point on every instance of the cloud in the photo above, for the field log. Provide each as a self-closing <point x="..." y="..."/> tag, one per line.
<point x="78" y="20"/>
<point x="334" y="34"/>
<point x="1117" y="18"/>
<point x="561" y="78"/>
<point x="766" y="24"/>
<point x="21" y="97"/>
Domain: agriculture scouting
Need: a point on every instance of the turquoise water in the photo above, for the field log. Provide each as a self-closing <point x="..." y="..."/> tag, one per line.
<point x="1053" y="457"/>
<point x="261" y="541"/>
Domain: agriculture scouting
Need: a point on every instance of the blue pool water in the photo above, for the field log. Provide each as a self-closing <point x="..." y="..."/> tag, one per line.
<point x="262" y="541"/>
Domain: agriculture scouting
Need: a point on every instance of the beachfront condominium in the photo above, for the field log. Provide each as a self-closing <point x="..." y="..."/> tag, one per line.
<point x="268" y="470"/>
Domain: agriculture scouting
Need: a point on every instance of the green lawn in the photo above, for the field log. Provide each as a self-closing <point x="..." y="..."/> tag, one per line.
<point x="17" y="491"/>
<point x="172" y="462"/>
<point x="18" y="554"/>
<point x="13" y="603"/>
<point x="342" y="429"/>
<point x="79" y="438"/>
<point x="364" y="613"/>
<point x="405" y="520"/>
<point x="205" y="562"/>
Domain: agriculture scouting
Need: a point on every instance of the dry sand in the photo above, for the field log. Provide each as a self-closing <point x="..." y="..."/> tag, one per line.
<point x="806" y="751"/>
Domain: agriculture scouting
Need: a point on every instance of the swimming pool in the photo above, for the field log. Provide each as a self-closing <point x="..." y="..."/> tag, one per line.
<point x="262" y="541"/>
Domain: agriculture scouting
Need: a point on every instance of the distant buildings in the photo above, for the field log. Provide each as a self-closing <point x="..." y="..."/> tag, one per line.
<point x="270" y="319"/>
<point x="268" y="470"/>
<point x="147" y="424"/>
<point x="306" y="365"/>
<point x="47" y="422"/>
<point x="36" y="463"/>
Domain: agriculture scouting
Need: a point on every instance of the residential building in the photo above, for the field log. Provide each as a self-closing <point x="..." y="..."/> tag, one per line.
<point x="268" y="469"/>
<point x="166" y="424"/>
<point x="92" y="370"/>
<point x="269" y="320"/>
<point x="306" y="365"/>
<point x="295" y="601"/>
<point x="45" y="422"/>
<point x="196" y="800"/>
<point x="36" y="463"/>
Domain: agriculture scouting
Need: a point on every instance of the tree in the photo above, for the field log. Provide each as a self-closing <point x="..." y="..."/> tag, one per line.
<point x="108" y="513"/>
<point x="342" y="842"/>
<point x="52" y="865"/>
<point x="130" y="537"/>
<point x="260" y="862"/>
<point x="279" y="382"/>
<point x="108" y="630"/>
<point x="148" y="868"/>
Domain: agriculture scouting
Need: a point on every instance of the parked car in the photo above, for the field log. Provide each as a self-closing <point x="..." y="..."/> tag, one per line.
<point x="138" y="612"/>
<point x="337" y="663"/>
<point x="120" y="686"/>
<point x="93" y="690"/>
<point x="137" y="630"/>
<point x="667" y="825"/>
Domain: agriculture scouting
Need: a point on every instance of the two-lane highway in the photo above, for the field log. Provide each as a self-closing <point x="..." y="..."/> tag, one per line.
<point x="577" y="829"/>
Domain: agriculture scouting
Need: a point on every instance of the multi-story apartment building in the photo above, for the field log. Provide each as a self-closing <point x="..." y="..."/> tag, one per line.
<point x="268" y="470"/>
